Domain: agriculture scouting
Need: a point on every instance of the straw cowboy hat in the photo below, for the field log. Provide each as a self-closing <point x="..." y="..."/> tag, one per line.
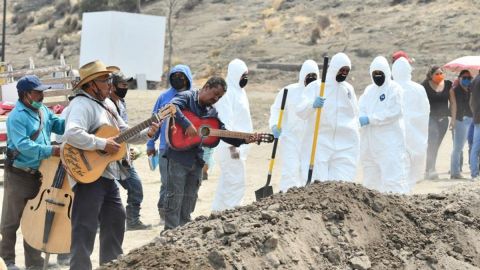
<point x="93" y="70"/>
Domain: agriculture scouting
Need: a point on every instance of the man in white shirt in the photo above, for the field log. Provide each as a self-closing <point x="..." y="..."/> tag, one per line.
<point x="98" y="203"/>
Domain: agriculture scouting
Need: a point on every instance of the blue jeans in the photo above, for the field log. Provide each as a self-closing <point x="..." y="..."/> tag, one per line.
<point x="134" y="188"/>
<point x="460" y="133"/>
<point x="182" y="192"/>
<point x="162" y="166"/>
<point x="475" y="151"/>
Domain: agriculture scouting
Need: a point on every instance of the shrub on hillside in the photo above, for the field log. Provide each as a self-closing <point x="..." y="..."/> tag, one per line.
<point x="123" y="5"/>
<point x="191" y="4"/>
<point x="62" y="7"/>
<point x="51" y="44"/>
<point x="93" y="5"/>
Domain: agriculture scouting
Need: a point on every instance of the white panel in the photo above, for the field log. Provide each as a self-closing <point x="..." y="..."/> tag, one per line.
<point x="133" y="42"/>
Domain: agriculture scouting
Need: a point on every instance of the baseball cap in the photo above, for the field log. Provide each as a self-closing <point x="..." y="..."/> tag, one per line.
<point x="120" y="77"/>
<point x="399" y="54"/>
<point x="30" y="82"/>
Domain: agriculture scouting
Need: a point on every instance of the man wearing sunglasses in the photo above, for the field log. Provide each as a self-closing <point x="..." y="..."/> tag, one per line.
<point x="97" y="204"/>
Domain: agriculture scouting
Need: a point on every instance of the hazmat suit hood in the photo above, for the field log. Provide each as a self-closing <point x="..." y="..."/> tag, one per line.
<point x="402" y="70"/>
<point x="185" y="70"/>
<point x="309" y="66"/>
<point x="339" y="60"/>
<point x="381" y="63"/>
<point x="236" y="68"/>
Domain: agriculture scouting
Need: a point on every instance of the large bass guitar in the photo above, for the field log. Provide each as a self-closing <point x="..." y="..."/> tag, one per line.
<point x="209" y="132"/>
<point x="87" y="166"/>
<point x="46" y="220"/>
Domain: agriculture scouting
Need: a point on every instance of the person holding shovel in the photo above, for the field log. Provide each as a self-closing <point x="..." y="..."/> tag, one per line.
<point x="293" y="127"/>
<point x="338" y="142"/>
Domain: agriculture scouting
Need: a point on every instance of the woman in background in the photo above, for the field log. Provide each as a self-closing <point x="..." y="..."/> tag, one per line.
<point x="440" y="94"/>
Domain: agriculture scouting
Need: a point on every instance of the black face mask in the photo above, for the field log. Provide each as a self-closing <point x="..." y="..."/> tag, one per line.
<point x="243" y="82"/>
<point x="341" y="77"/>
<point x="121" y="92"/>
<point x="177" y="83"/>
<point x="379" y="79"/>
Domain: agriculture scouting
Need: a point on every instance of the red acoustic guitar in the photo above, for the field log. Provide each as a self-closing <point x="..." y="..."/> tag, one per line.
<point x="209" y="133"/>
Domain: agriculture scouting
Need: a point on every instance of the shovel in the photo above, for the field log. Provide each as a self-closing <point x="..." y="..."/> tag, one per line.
<point x="317" y="121"/>
<point x="267" y="190"/>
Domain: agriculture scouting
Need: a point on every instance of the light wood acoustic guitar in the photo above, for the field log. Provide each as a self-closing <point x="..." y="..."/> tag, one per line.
<point x="87" y="166"/>
<point x="209" y="132"/>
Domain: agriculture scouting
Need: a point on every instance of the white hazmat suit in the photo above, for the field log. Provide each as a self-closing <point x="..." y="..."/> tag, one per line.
<point x="234" y="111"/>
<point x="338" y="142"/>
<point x="292" y="128"/>
<point x="416" y="111"/>
<point x="383" y="150"/>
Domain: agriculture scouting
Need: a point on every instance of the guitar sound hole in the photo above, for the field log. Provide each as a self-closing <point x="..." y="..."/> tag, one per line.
<point x="204" y="131"/>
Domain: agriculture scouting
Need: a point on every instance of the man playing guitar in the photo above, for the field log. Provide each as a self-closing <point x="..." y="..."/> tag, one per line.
<point x="185" y="166"/>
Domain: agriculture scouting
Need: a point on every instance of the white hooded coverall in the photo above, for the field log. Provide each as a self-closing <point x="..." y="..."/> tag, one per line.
<point x="292" y="128"/>
<point x="338" y="142"/>
<point x="416" y="111"/>
<point x="383" y="150"/>
<point x="234" y="111"/>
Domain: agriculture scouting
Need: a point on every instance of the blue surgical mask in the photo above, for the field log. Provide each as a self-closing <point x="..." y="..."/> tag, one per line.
<point x="466" y="82"/>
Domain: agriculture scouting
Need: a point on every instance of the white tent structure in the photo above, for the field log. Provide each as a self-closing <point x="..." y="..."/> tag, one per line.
<point x="133" y="42"/>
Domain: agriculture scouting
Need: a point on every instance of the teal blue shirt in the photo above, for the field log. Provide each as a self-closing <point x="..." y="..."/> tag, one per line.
<point x="22" y="122"/>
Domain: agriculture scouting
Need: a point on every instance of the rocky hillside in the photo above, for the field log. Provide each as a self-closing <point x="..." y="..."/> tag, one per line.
<point x="209" y="33"/>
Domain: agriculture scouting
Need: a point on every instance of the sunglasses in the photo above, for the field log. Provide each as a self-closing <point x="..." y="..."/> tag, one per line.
<point x="108" y="80"/>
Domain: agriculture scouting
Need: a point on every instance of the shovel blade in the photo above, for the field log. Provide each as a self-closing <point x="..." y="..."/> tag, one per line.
<point x="263" y="192"/>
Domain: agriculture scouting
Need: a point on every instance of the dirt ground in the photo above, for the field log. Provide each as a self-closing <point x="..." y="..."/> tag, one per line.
<point x="140" y="104"/>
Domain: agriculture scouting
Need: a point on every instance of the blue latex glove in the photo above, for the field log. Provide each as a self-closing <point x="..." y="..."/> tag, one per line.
<point x="276" y="131"/>
<point x="318" y="103"/>
<point x="363" y="121"/>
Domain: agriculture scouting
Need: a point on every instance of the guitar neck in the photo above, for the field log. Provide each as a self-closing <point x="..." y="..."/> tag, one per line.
<point x="229" y="134"/>
<point x="127" y="134"/>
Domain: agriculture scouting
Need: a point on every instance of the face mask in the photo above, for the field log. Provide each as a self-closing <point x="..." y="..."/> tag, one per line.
<point x="243" y="82"/>
<point x="341" y="77"/>
<point x="177" y="83"/>
<point x="466" y="82"/>
<point x="438" y="78"/>
<point x="379" y="79"/>
<point x="309" y="79"/>
<point x="121" y="92"/>
<point x="37" y="105"/>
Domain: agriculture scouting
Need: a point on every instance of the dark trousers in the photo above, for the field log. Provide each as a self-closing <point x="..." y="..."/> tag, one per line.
<point x="163" y="167"/>
<point x="182" y="192"/>
<point x="93" y="203"/>
<point x="19" y="187"/>
<point x="134" y="188"/>
<point x="437" y="128"/>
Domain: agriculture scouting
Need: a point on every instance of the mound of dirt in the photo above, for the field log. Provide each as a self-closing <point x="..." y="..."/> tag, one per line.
<point x="330" y="225"/>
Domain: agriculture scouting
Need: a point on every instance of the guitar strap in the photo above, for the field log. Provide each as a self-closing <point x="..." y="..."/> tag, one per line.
<point x="114" y="117"/>
<point x="125" y="162"/>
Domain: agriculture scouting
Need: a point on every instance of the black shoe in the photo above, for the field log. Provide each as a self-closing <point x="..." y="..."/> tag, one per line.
<point x="63" y="259"/>
<point x="138" y="225"/>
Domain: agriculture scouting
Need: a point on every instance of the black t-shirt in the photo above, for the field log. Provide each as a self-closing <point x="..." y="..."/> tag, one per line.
<point x="438" y="100"/>
<point x="463" y="102"/>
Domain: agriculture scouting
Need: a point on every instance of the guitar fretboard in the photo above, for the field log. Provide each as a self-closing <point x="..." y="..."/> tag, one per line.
<point x="229" y="134"/>
<point x="127" y="134"/>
